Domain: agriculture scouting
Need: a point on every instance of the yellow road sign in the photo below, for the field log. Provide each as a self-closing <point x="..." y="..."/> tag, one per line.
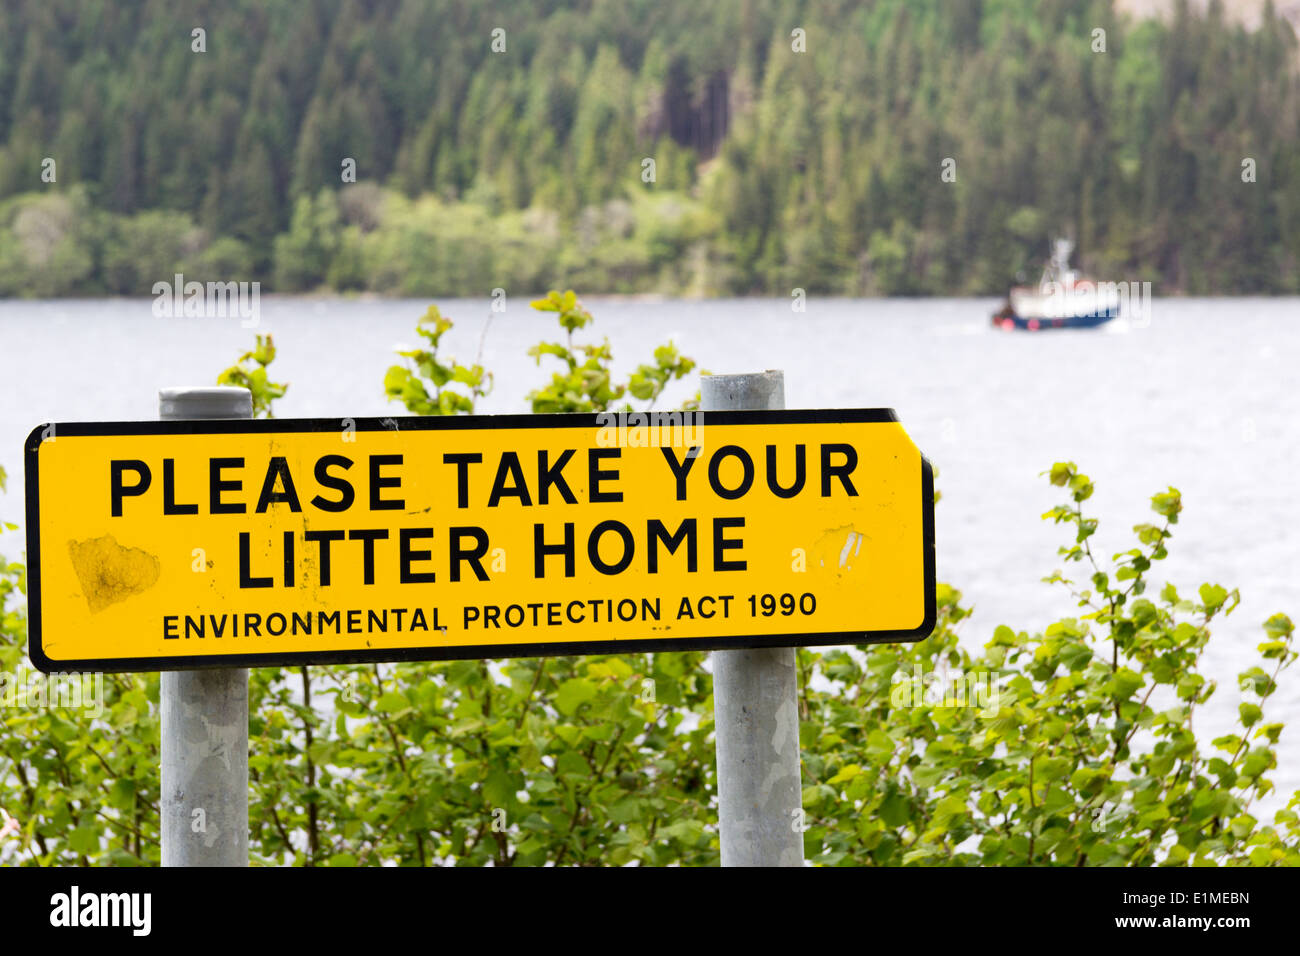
<point x="162" y="545"/>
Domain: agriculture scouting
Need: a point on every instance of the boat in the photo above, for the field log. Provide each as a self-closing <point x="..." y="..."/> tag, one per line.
<point x="1063" y="300"/>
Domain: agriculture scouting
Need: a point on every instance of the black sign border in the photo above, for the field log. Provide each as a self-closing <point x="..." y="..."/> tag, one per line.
<point x="593" y="421"/>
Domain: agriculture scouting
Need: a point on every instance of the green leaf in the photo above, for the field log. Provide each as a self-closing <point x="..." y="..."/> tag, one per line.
<point x="499" y="788"/>
<point x="392" y="702"/>
<point x="84" y="839"/>
<point x="896" y="809"/>
<point x="573" y="693"/>
<point x="846" y="773"/>
<point x="1213" y="596"/>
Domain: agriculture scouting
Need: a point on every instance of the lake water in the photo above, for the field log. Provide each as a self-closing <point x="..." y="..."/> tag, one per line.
<point x="1203" y="398"/>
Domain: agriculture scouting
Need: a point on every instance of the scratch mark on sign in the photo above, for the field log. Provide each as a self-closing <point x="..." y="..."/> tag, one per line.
<point x="109" y="572"/>
<point x="852" y="545"/>
<point x="838" y="547"/>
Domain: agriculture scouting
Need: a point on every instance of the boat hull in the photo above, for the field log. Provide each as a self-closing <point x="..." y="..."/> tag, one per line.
<point x="1020" y="323"/>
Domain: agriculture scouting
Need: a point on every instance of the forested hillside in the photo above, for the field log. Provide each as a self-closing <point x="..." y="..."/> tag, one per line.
<point x="781" y="159"/>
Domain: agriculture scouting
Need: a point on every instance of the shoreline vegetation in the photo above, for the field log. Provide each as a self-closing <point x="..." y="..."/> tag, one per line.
<point x="890" y="149"/>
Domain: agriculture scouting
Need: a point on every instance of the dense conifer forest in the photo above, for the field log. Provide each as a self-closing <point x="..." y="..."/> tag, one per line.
<point x="794" y="144"/>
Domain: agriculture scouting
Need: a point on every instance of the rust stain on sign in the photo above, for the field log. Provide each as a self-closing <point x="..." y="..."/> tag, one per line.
<point x="109" y="572"/>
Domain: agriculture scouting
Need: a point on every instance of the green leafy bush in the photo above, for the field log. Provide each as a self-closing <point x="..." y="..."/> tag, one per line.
<point x="250" y="372"/>
<point x="586" y="384"/>
<point x="1084" y="754"/>
<point x="423" y="385"/>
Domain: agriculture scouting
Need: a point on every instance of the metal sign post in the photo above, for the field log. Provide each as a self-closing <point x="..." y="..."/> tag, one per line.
<point x="205" y="713"/>
<point x="756" y="714"/>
